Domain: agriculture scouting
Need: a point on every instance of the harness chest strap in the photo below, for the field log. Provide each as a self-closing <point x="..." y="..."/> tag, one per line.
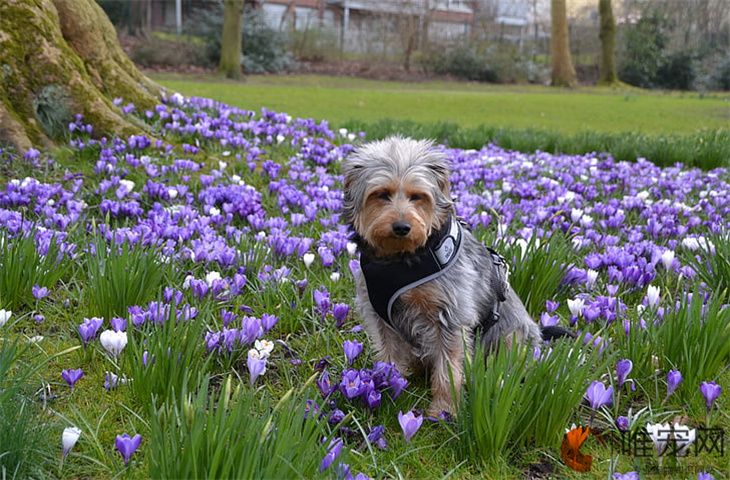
<point x="386" y="281"/>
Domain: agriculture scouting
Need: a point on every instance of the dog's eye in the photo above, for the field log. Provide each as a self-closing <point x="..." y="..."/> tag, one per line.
<point x="416" y="197"/>
<point x="384" y="196"/>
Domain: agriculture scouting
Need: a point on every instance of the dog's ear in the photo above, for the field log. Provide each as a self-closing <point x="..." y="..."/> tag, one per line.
<point x="352" y="172"/>
<point x="441" y="173"/>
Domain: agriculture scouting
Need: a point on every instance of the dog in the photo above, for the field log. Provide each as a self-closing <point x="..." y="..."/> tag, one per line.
<point x="426" y="287"/>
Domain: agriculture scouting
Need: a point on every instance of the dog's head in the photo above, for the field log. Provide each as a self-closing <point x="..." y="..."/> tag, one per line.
<point x="396" y="194"/>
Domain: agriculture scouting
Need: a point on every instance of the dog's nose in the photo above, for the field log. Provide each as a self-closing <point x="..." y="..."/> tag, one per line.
<point x="401" y="228"/>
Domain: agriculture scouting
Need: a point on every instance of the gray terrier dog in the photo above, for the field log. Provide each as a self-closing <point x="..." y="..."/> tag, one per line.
<point x="426" y="286"/>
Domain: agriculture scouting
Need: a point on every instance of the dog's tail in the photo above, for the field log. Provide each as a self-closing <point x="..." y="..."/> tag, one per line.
<point x="551" y="333"/>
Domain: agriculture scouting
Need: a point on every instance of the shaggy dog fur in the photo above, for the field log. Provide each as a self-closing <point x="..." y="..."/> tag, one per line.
<point x="398" y="202"/>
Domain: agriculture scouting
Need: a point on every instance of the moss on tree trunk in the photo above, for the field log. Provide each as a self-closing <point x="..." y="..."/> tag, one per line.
<point x="607" y="34"/>
<point x="59" y="58"/>
<point x="231" y="39"/>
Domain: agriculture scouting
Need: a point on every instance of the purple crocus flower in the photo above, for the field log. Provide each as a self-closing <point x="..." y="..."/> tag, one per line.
<point x="705" y="476"/>
<point x="410" y="423"/>
<point x="88" y="329"/>
<point x="325" y="384"/>
<point x="111" y="381"/>
<point x="674" y="378"/>
<point x="372" y="398"/>
<point x="623" y="368"/>
<point x="711" y="391"/>
<point x="127" y="445"/>
<point x="335" y="447"/>
<point x="622" y="423"/>
<point x="352" y="350"/>
<point x="376" y="433"/>
<point x="340" y="312"/>
<point x="256" y="365"/>
<point x="118" y="324"/>
<point x="40" y="292"/>
<point x="251" y="329"/>
<point x="72" y="376"/>
<point x="350" y="384"/>
<point x="626" y="476"/>
<point x="322" y="300"/>
<point x="397" y="384"/>
<point x="268" y="321"/>
<point x="598" y="395"/>
<point x="336" y="416"/>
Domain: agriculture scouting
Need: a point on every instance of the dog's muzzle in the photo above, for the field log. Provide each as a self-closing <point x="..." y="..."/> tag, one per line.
<point x="401" y="228"/>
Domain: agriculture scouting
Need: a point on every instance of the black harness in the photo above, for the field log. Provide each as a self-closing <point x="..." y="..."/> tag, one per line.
<point x="386" y="280"/>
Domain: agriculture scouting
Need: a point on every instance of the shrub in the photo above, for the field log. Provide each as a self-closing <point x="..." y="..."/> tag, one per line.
<point x="465" y="63"/>
<point x="641" y="56"/>
<point x="158" y="51"/>
<point x="264" y="49"/>
<point x="676" y="71"/>
<point x="714" y="72"/>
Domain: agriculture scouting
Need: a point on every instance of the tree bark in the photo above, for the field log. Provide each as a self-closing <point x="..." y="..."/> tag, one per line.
<point x="231" y="39"/>
<point x="59" y="58"/>
<point x="563" y="74"/>
<point x="607" y="34"/>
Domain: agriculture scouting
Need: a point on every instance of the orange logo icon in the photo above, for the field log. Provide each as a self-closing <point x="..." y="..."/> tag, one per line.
<point x="570" y="449"/>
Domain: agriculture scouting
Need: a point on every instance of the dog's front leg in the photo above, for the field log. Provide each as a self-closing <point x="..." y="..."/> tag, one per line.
<point x="447" y="371"/>
<point x="390" y="347"/>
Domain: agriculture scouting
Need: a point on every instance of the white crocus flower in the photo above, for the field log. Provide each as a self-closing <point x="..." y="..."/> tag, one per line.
<point x="667" y="259"/>
<point x="264" y="347"/>
<point x="69" y="438"/>
<point x="576" y="306"/>
<point x="575" y="215"/>
<point x="684" y="437"/>
<point x="4" y="316"/>
<point x="659" y="435"/>
<point x="308" y="258"/>
<point x="128" y="184"/>
<point x="335" y="276"/>
<point x="211" y="277"/>
<point x="652" y="295"/>
<point x="113" y="342"/>
<point x="591" y="277"/>
<point x="351" y="248"/>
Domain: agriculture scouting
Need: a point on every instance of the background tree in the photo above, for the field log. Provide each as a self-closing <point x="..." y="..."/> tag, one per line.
<point x="140" y="18"/>
<point x="563" y="73"/>
<point x="59" y="58"/>
<point x="231" y="39"/>
<point x="607" y="34"/>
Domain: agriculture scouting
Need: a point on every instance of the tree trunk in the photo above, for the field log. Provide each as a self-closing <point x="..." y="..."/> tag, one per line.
<point x="563" y="72"/>
<point x="607" y="34"/>
<point x="231" y="39"/>
<point x="140" y="18"/>
<point x="59" y="58"/>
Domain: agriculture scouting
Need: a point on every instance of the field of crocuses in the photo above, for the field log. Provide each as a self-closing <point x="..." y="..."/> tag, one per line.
<point x="178" y="305"/>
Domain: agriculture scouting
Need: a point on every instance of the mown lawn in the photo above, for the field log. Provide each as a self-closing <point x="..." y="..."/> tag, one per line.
<point x="567" y="111"/>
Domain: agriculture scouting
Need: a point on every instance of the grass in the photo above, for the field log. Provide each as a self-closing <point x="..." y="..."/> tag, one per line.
<point x="197" y="412"/>
<point x="338" y="100"/>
